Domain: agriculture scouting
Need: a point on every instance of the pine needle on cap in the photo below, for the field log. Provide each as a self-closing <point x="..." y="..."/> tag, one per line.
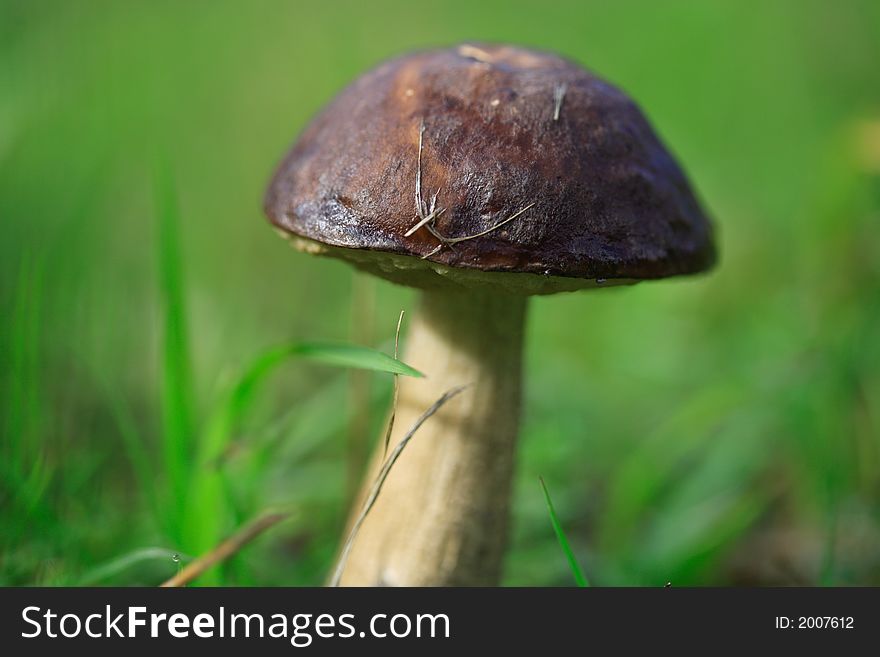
<point x="427" y="214"/>
<point x="558" y="97"/>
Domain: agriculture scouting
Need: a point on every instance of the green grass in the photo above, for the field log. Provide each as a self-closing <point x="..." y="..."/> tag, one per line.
<point x="25" y="470"/>
<point x="154" y="392"/>
<point x="579" y="578"/>
<point x="118" y="566"/>
<point x="178" y="421"/>
<point x="200" y="510"/>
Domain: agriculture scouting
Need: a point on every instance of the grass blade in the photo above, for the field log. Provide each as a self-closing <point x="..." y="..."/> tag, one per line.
<point x="579" y="577"/>
<point x="177" y="388"/>
<point x="205" y="511"/>
<point x="346" y="355"/>
<point x="233" y="409"/>
<point x="126" y="561"/>
<point x="396" y="392"/>
<point x="134" y="446"/>
<point x="362" y="307"/>
<point x="25" y="473"/>
<point x="23" y="410"/>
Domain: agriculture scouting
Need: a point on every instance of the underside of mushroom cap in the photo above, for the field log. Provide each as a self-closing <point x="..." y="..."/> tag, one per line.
<point x="512" y="161"/>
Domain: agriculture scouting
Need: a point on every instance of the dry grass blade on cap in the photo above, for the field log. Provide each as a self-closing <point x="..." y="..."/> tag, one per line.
<point x="558" y="98"/>
<point x="428" y="213"/>
<point x="455" y="240"/>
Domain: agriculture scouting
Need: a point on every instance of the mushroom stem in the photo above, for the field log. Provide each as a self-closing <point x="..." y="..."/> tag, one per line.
<point x="442" y="516"/>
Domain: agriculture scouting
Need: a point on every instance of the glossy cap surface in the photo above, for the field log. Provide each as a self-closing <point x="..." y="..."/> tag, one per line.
<point x="486" y="134"/>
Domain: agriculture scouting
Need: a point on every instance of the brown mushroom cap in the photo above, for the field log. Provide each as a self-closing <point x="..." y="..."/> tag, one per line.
<point x="503" y="129"/>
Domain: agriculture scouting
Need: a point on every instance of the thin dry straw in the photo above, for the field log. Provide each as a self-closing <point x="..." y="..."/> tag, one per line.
<point x="421" y="208"/>
<point x="456" y="240"/>
<point x="396" y="387"/>
<point x="225" y="550"/>
<point x="428" y="218"/>
<point x="558" y="97"/>
<point x="380" y="479"/>
<point x="426" y="214"/>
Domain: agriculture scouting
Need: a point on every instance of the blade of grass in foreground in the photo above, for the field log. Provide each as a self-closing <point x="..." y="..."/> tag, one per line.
<point x="205" y="518"/>
<point x="134" y="447"/>
<point x="25" y="473"/>
<point x="127" y="561"/>
<point x="232" y="410"/>
<point x="579" y="577"/>
<point x="23" y="411"/>
<point x="347" y="355"/>
<point x="177" y="390"/>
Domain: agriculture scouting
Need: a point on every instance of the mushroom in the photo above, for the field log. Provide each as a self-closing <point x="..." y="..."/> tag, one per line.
<point x="480" y="175"/>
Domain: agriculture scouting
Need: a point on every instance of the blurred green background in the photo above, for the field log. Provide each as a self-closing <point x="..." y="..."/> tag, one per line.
<point x="722" y="430"/>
